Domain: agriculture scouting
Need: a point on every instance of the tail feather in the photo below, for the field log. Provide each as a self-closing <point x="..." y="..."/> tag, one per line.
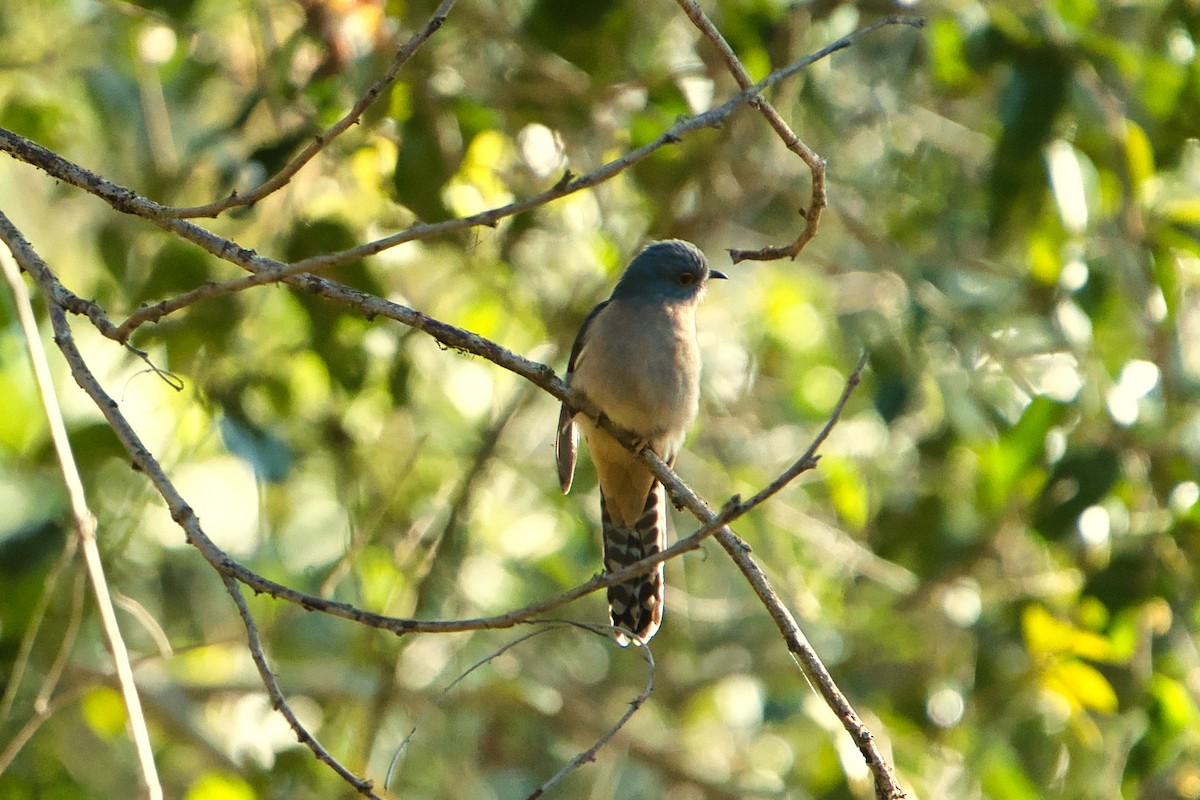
<point x="636" y="605"/>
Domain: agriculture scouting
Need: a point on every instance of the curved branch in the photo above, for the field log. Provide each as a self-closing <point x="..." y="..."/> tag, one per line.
<point x="634" y="704"/>
<point x="887" y="787"/>
<point x="815" y="164"/>
<point x="266" y="270"/>
<point x="323" y="139"/>
<point x="81" y="515"/>
<point x="270" y="270"/>
<point x="363" y="786"/>
<point x="539" y="374"/>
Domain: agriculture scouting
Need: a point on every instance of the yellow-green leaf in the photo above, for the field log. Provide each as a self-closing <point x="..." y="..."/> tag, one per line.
<point x="220" y="786"/>
<point x="1047" y="635"/>
<point x="104" y="712"/>
<point x="1083" y="685"/>
<point x="1139" y="155"/>
<point x="847" y="491"/>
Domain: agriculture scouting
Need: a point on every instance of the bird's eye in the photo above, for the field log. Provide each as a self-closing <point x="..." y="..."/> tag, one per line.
<point x="686" y="278"/>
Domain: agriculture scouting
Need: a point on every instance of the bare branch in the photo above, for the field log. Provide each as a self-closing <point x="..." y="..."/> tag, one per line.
<point x="83" y="519"/>
<point x="35" y="721"/>
<point x="361" y="785"/>
<point x="544" y="377"/>
<point x="808" y="460"/>
<point x="442" y="552"/>
<point x="391" y="770"/>
<point x="539" y="374"/>
<point x="590" y="754"/>
<point x="815" y="164"/>
<point x="886" y="785"/>
<point x="265" y="270"/>
<point x="38" y="615"/>
<point x="61" y="658"/>
<point x="269" y="270"/>
<point x="323" y="139"/>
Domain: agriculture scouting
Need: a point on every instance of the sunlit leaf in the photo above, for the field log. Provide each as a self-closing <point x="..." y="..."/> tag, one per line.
<point x="104" y="711"/>
<point x="220" y="786"/>
<point x="1077" y="12"/>
<point x="1182" y="212"/>
<point x="949" y="58"/>
<point x="1020" y="448"/>
<point x="847" y="492"/>
<point x="1139" y="154"/>
<point x="1175" y="705"/>
<point x="1082" y="684"/>
<point x="1046" y="635"/>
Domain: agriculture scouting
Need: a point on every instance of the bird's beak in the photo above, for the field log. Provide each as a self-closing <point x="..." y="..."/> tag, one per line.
<point x="716" y="273"/>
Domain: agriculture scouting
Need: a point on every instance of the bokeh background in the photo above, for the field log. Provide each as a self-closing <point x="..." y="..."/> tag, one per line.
<point x="995" y="557"/>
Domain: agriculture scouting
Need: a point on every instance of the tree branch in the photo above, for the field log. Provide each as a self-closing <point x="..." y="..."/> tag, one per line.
<point x="886" y="785"/>
<point x="83" y="519"/>
<point x="268" y="270"/>
<point x="361" y="785"/>
<point x="323" y="139"/>
<point x="540" y="374"/>
<point x="589" y="754"/>
<point x="815" y="164"/>
<point x="265" y="270"/>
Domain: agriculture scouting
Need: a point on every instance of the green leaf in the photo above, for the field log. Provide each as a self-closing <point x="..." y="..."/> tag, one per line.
<point x="220" y="786"/>
<point x="1139" y="154"/>
<point x="948" y="54"/>
<point x="1019" y="449"/>
<point x="104" y="711"/>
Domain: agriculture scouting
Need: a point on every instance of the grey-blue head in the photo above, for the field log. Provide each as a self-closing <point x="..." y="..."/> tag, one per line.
<point x="667" y="270"/>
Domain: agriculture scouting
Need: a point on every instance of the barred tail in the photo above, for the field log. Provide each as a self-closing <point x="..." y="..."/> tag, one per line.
<point x="636" y="605"/>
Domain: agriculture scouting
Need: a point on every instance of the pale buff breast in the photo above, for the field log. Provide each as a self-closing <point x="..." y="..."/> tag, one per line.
<point x="640" y="366"/>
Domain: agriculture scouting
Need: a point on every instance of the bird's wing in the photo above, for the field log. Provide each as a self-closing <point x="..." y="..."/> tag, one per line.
<point x="566" y="446"/>
<point x="566" y="442"/>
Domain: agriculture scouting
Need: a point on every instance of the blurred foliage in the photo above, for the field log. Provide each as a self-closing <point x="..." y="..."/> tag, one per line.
<point x="995" y="558"/>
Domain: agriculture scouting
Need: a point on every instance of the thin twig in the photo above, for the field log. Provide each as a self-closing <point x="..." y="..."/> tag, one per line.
<point x="886" y="785"/>
<point x="567" y="184"/>
<point x="400" y="748"/>
<point x="82" y="517"/>
<point x="589" y="754"/>
<point x="815" y="164"/>
<point x="183" y="515"/>
<point x="36" y="721"/>
<point x="63" y="656"/>
<point x="439" y="559"/>
<point x="806" y="461"/>
<point x="584" y="757"/>
<point x="363" y="786"/>
<point x="269" y="270"/>
<point x="537" y="373"/>
<point x="36" y="618"/>
<point x="323" y="139"/>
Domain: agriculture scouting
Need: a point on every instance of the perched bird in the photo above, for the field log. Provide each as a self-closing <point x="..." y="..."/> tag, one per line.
<point x="637" y="361"/>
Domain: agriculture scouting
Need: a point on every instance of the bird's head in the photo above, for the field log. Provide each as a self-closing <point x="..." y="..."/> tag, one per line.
<point x="668" y="270"/>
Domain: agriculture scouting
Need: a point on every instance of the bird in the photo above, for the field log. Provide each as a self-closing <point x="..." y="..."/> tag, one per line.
<point x="637" y="362"/>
